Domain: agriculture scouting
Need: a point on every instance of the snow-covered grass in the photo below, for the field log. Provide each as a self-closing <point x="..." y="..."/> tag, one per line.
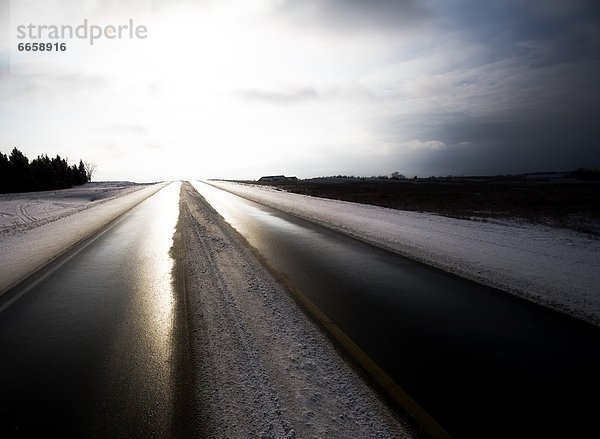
<point x="36" y="227"/>
<point x="558" y="268"/>
<point x="31" y="209"/>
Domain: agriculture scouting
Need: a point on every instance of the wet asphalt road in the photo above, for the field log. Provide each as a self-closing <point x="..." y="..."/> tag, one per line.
<point x="89" y="350"/>
<point x="482" y="362"/>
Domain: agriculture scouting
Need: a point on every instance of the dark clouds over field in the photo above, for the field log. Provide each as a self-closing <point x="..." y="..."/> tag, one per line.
<point x="518" y="86"/>
<point x="238" y="89"/>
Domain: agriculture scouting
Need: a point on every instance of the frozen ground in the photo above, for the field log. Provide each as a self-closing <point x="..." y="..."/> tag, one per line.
<point x="36" y="227"/>
<point x="28" y="210"/>
<point x="558" y="268"/>
<point x="261" y="367"/>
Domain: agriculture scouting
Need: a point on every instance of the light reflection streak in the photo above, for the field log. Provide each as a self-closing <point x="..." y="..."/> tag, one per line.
<point x="154" y="275"/>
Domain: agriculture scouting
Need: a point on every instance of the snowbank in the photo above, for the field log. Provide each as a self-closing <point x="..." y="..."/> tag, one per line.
<point x="37" y="227"/>
<point x="558" y="268"/>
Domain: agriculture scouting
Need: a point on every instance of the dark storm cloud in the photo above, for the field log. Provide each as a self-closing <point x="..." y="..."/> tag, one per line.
<point x="540" y="95"/>
<point x="353" y="15"/>
<point x="513" y="143"/>
<point x="538" y="32"/>
<point x="533" y="80"/>
<point x="559" y="132"/>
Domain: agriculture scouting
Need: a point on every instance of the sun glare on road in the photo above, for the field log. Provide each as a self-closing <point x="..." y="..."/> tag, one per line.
<point x="154" y="280"/>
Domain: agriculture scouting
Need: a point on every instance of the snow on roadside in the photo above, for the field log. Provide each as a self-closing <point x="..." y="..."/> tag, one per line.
<point x="28" y="210"/>
<point x="264" y="368"/>
<point x="558" y="268"/>
<point x="36" y="227"/>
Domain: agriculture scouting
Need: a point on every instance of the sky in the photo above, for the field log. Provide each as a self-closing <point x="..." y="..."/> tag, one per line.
<point x="244" y="88"/>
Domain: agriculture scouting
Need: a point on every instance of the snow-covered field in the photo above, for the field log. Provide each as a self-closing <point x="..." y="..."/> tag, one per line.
<point x="558" y="268"/>
<point x="31" y="209"/>
<point x="36" y="227"/>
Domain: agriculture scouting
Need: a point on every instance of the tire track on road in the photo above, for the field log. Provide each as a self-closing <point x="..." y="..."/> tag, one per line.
<point x="224" y="312"/>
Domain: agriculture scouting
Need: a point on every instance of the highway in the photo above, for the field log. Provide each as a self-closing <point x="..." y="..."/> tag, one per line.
<point x="482" y="362"/>
<point x="89" y="349"/>
<point x="92" y="346"/>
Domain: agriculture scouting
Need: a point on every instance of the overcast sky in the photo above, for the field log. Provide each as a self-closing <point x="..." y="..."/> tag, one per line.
<point x="243" y="88"/>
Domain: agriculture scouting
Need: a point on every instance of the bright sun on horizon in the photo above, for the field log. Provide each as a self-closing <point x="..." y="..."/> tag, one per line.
<point x="239" y="89"/>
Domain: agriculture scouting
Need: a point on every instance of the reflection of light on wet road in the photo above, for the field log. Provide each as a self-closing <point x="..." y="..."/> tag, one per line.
<point x="88" y="351"/>
<point x="482" y="362"/>
<point x="141" y="358"/>
<point x="154" y="266"/>
<point x="247" y="217"/>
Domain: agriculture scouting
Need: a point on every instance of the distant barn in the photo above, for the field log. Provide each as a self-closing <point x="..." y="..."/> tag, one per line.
<point x="268" y="178"/>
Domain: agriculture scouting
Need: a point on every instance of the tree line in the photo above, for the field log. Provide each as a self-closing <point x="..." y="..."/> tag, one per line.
<point x="18" y="174"/>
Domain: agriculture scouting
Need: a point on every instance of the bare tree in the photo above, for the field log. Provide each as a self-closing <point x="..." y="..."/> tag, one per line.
<point x="90" y="168"/>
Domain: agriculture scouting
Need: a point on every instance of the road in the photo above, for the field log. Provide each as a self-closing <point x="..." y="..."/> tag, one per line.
<point x="120" y="340"/>
<point x="482" y="362"/>
<point x="95" y="345"/>
<point x="89" y="349"/>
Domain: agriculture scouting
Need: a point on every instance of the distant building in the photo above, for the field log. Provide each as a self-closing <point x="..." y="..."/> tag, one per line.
<point x="268" y="178"/>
